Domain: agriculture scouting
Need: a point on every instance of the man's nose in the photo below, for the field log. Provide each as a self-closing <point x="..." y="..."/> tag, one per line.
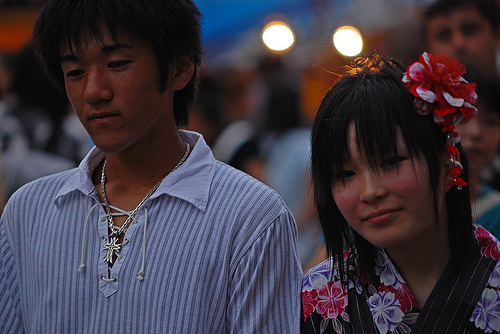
<point x="97" y="87"/>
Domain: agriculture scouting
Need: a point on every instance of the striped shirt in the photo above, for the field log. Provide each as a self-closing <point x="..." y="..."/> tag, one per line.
<point x="218" y="250"/>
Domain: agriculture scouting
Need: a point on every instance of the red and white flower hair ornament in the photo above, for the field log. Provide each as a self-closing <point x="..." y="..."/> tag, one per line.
<point x="441" y="91"/>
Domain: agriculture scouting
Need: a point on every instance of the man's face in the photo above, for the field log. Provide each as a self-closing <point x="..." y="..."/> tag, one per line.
<point x="113" y="85"/>
<point x="465" y="34"/>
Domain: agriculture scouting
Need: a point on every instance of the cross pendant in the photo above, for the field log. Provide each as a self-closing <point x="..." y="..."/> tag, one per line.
<point x="113" y="248"/>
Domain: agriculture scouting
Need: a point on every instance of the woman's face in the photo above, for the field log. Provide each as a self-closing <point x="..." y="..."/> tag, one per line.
<point x="390" y="205"/>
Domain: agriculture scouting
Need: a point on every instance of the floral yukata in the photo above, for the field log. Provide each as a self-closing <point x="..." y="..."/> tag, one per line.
<point x="464" y="300"/>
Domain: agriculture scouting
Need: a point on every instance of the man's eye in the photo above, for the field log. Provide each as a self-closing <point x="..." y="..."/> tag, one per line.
<point x="118" y="63"/>
<point x="443" y="35"/>
<point x="470" y="29"/>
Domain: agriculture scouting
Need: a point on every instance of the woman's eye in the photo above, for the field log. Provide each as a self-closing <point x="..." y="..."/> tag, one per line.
<point x="392" y="161"/>
<point x="118" y="63"/>
<point x="74" y="73"/>
<point x="344" y="175"/>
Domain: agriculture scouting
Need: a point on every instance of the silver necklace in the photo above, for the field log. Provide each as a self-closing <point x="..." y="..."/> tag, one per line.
<point x="113" y="247"/>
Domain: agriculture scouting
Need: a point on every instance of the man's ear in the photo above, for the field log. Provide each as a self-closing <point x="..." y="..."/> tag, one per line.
<point x="182" y="72"/>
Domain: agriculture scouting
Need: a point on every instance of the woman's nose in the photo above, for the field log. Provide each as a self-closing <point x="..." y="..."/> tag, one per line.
<point x="371" y="187"/>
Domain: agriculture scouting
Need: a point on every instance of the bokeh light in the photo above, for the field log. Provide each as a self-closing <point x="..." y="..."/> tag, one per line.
<point x="348" y="41"/>
<point x="278" y="37"/>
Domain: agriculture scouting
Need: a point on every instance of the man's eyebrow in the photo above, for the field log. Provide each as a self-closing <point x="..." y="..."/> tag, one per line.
<point x="106" y="49"/>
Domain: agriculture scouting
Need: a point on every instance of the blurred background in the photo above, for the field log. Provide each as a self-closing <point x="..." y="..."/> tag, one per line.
<point x="267" y="65"/>
<point x="233" y="33"/>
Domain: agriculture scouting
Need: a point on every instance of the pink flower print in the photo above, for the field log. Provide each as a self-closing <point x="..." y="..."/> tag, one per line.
<point x="332" y="300"/>
<point x="403" y="295"/>
<point x="489" y="246"/>
<point x="309" y="302"/>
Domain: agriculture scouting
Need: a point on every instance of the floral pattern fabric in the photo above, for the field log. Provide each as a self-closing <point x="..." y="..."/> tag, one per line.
<point x="388" y="302"/>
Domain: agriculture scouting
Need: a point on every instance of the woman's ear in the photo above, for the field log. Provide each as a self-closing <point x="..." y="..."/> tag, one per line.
<point x="182" y="72"/>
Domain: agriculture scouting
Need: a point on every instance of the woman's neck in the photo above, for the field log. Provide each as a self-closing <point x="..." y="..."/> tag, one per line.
<point x="422" y="264"/>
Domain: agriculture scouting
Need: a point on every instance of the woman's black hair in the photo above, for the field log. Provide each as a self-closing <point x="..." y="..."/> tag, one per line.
<point x="372" y="96"/>
<point x="171" y="27"/>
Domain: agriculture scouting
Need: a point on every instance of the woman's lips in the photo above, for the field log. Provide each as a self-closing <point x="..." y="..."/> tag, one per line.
<point x="381" y="216"/>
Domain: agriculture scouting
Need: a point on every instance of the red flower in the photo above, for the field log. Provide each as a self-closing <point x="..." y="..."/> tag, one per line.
<point x="309" y="302"/>
<point x="403" y="295"/>
<point x="437" y="81"/>
<point x="439" y="89"/>
<point x="489" y="246"/>
<point x="332" y="300"/>
<point x="452" y="150"/>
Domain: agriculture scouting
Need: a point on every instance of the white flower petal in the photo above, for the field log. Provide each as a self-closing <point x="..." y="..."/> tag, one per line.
<point x="415" y="69"/>
<point x="456" y="102"/>
<point x="426" y="95"/>
<point x="426" y="58"/>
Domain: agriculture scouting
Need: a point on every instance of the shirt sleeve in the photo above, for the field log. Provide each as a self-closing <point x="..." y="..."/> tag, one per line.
<point x="265" y="288"/>
<point x="10" y="315"/>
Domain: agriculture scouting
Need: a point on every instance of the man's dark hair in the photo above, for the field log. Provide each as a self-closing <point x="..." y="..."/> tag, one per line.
<point x="171" y="27"/>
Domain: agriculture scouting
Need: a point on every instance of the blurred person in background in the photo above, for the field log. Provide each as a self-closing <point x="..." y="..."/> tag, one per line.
<point x="481" y="140"/>
<point x="281" y="159"/>
<point x="37" y="132"/>
<point x="11" y="132"/>
<point x="464" y="29"/>
<point x="285" y="136"/>
<point x="468" y="30"/>
<point x="209" y="111"/>
<point x="44" y="111"/>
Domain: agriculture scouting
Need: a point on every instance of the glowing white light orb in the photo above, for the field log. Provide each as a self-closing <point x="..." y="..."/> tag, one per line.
<point x="278" y="37"/>
<point x="348" y="41"/>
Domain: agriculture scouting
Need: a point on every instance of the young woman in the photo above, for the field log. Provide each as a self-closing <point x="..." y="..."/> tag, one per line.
<point x="390" y="188"/>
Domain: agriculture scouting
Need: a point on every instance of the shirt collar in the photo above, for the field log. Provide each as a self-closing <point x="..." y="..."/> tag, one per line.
<point x="190" y="182"/>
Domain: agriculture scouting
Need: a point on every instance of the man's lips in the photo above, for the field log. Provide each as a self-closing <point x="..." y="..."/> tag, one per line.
<point x="100" y="115"/>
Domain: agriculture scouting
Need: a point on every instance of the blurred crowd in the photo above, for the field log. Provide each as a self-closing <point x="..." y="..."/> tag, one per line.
<point x="259" y="120"/>
<point x="39" y="134"/>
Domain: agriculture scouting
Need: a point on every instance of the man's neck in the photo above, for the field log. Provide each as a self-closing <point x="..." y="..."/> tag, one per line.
<point x="129" y="177"/>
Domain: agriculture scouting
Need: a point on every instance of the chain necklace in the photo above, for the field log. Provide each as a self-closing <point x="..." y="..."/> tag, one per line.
<point x="113" y="247"/>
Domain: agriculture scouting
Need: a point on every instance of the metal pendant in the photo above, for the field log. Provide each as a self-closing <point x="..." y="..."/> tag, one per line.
<point x="112" y="248"/>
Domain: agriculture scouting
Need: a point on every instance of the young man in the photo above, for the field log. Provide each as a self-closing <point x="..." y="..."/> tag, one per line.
<point x="464" y="29"/>
<point x="150" y="234"/>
